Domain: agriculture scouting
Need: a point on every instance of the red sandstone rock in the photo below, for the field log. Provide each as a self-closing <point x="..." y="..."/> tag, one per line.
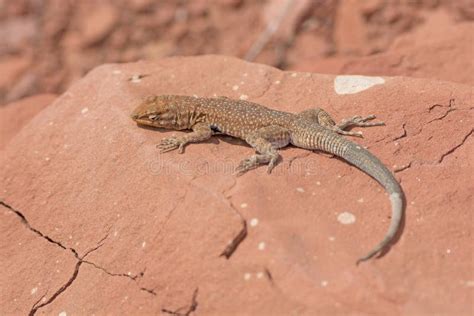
<point x="441" y="49"/>
<point x="16" y="115"/>
<point x="82" y="173"/>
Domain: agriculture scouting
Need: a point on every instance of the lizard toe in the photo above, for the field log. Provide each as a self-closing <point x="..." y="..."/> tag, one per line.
<point x="169" y="144"/>
<point x="245" y="165"/>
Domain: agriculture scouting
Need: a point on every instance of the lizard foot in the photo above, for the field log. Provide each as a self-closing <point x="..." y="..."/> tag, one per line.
<point x="171" y="143"/>
<point x="359" y="121"/>
<point x="256" y="160"/>
<point x="355" y="121"/>
<point x="246" y="165"/>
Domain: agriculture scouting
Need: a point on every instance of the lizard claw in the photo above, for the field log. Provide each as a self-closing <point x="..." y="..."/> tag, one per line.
<point x="171" y="143"/>
<point x="362" y="121"/>
<point x="357" y="134"/>
<point x="271" y="165"/>
<point x="357" y="121"/>
<point x="245" y="165"/>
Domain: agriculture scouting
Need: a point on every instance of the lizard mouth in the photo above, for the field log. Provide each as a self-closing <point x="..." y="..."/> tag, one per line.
<point x="144" y="119"/>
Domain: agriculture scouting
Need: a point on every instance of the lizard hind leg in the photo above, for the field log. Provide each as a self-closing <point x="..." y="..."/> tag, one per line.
<point x="265" y="141"/>
<point x="323" y="118"/>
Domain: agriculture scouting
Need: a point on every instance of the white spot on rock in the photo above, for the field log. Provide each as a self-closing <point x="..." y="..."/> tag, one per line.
<point x="247" y="276"/>
<point x="254" y="222"/>
<point x="259" y="275"/>
<point x="243" y="97"/>
<point x="63" y="313"/>
<point x="235" y="88"/>
<point x="84" y="110"/>
<point x="332" y="238"/>
<point x="116" y="72"/>
<point x="143" y="244"/>
<point x="355" y="84"/>
<point x="361" y="200"/>
<point x="243" y="205"/>
<point x="136" y="78"/>
<point x="346" y="218"/>
<point x="448" y="251"/>
<point x="277" y="82"/>
<point x="294" y="74"/>
<point x="261" y="245"/>
<point x="300" y="190"/>
<point x="324" y="283"/>
<point x="34" y="290"/>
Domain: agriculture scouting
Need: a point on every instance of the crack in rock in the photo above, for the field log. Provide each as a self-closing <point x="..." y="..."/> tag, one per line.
<point x="439" y="118"/>
<point x="68" y="283"/>
<point x="236" y="241"/>
<point x="191" y="308"/>
<point x="403" y="135"/>
<point x="80" y="260"/>
<point x="438" y="161"/>
<point x="402" y="168"/>
<point x="63" y="288"/>
<point x="134" y="278"/>
<point x="35" y="231"/>
<point x="242" y="234"/>
<point x="452" y="150"/>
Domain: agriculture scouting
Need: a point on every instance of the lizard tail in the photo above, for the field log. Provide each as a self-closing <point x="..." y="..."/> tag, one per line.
<point x="364" y="160"/>
<point x="361" y="158"/>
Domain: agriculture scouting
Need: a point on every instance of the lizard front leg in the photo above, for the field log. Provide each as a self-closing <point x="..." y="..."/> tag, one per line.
<point x="323" y="118"/>
<point x="265" y="141"/>
<point x="201" y="132"/>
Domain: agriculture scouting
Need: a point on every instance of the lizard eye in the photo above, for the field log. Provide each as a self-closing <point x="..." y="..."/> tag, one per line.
<point x="152" y="116"/>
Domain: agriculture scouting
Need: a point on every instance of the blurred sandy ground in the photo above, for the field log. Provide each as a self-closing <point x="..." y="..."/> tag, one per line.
<point x="45" y="45"/>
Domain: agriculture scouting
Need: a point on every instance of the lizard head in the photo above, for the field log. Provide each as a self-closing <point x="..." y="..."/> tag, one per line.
<point x="157" y="111"/>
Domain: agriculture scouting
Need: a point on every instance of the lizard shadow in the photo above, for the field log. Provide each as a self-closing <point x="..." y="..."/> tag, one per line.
<point x="215" y="139"/>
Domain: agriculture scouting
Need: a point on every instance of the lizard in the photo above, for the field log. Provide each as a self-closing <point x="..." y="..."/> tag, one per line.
<point x="267" y="130"/>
